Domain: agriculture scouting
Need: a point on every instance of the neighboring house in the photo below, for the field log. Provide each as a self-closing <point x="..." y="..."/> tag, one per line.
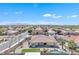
<point x="75" y="38"/>
<point x="77" y="32"/>
<point x="63" y="31"/>
<point x="43" y="41"/>
<point x="38" y="30"/>
<point x="11" y="32"/>
<point x="71" y="32"/>
<point x="51" y="32"/>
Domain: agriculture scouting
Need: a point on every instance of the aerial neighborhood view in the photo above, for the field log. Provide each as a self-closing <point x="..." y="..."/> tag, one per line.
<point x="39" y="28"/>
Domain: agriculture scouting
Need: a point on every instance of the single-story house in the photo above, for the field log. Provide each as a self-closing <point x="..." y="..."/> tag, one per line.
<point x="75" y="38"/>
<point x="11" y="32"/>
<point x="38" y="30"/>
<point x="51" y="32"/>
<point x="42" y="41"/>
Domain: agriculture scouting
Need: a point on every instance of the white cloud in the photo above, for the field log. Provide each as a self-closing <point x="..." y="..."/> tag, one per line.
<point x="47" y="15"/>
<point x="74" y="16"/>
<point x="52" y="16"/>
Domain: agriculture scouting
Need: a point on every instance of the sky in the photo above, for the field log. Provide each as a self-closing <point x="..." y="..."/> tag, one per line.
<point x="39" y="13"/>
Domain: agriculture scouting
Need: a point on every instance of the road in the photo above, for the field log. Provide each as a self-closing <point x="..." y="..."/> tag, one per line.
<point x="12" y="40"/>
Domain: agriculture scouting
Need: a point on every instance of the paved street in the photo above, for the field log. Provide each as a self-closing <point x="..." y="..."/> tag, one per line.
<point x="13" y="40"/>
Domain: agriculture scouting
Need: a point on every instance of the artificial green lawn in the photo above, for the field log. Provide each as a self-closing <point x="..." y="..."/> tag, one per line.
<point x="77" y="50"/>
<point x="31" y="50"/>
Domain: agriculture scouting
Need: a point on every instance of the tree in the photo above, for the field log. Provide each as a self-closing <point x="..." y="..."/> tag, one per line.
<point x="71" y="46"/>
<point x="45" y="31"/>
<point x="30" y="31"/>
<point x="62" y="42"/>
<point x="58" y="31"/>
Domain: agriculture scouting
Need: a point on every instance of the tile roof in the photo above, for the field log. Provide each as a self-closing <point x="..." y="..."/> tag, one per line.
<point x="42" y="38"/>
<point x="75" y="38"/>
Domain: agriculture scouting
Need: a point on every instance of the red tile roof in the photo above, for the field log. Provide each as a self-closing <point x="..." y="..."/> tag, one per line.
<point x="75" y="38"/>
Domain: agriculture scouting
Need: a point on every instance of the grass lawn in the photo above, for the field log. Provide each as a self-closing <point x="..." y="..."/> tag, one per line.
<point x="77" y="50"/>
<point x="30" y="50"/>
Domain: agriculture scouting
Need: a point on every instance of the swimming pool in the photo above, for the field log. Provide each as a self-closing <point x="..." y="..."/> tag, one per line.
<point x="56" y="52"/>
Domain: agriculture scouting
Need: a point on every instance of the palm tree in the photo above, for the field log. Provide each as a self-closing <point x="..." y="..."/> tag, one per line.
<point x="62" y="42"/>
<point x="71" y="46"/>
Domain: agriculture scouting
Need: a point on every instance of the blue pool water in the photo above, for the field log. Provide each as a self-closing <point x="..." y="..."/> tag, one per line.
<point x="56" y="52"/>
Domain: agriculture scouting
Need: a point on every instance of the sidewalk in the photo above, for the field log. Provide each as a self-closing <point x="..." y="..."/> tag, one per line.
<point x="23" y="46"/>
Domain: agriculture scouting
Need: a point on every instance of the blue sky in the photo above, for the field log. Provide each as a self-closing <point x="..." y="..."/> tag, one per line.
<point x="36" y="13"/>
